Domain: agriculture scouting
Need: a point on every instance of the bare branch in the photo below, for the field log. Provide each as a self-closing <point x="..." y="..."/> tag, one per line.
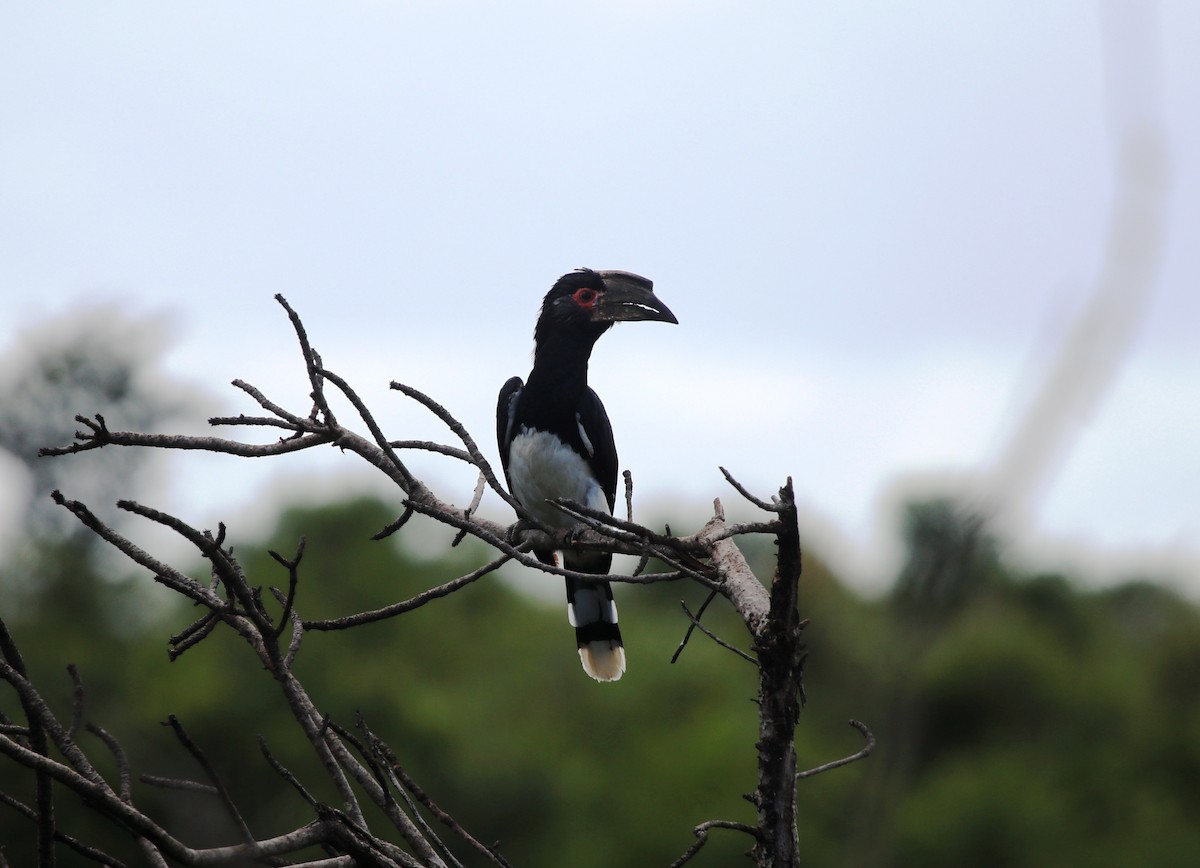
<point x="163" y="574"/>
<point x="13" y="670"/>
<point x="122" y="760"/>
<point x="493" y="535"/>
<point x="846" y="760"/>
<point x="293" y="567"/>
<point x="283" y="772"/>
<point x="695" y="622"/>
<point x="740" y="585"/>
<point x="408" y="605"/>
<point x="395" y="525"/>
<point x="186" y="442"/>
<point x="410" y="484"/>
<point x="297" y="627"/>
<point x="388" y="782"/>
<point x="312" y="362"/>
<point x="457" y="427"/>
<point x="761" y="504"/>
<point x="389" y="757"/>
<point x="439" y="448"/>
<point x="780" y="653"/>
<point x="192" y="635"/>
<point x="695" y="619"/>
<point x="216" y="785"/>
<point x="297" y="423"/>
<point x="79" y="847"/>
<point x="701" y="833"/>
<point x="178" y="784"/>
<point x="475" y="501"/>
<point x="710" y="557"/>
<point x="41" y="717"/>
<point x="76" y="700"/>
<point x="251" y="421"/>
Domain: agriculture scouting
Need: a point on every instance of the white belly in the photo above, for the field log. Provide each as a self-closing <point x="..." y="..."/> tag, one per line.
<point x="542" y="468"/>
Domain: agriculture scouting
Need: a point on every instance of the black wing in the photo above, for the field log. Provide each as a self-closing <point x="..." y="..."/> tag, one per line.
<point x="600" y="450"/>
<point x="506" y="411"/>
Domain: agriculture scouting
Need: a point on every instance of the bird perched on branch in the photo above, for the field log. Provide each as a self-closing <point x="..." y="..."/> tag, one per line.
<point x="556" y="441"/>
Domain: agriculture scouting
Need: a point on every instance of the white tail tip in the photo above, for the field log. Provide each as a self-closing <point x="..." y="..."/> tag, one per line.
<point x="603" y="660"/>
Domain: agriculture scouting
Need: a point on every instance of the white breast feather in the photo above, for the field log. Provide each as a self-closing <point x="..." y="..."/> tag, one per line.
<point x="541" y="468"/>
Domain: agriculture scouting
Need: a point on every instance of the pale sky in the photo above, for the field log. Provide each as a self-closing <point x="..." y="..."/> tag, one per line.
<point x="876" y="222"/>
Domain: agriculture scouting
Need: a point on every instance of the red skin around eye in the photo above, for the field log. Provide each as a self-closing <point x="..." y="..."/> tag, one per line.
<point x="586" y="297"/>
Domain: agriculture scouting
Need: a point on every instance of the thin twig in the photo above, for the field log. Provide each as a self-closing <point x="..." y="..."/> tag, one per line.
<point x="119" y="756"/>
<point x="389" y="756"/>
<point x="395" y="525"/>
<point x="293" y="568"/>
<point x="617" y="528"/>
<point x="298" y="423"/>
<point x="166" y="575"/>
<point x="297" y="629"/>
<point x="76" y="700"/>
<point x="42" y="727"/>
<point x="476" y="498"/>
<point x="388" y="782"/>
<point x="192" y="635"/>
<point x="628" y="476"/>
<point x="251" y="421"/>
<point x="411" y="484"/>
<point x="223" y="562"/>
<point x="695" y="619"/>
<point x="846" y="760"/>
<point x="178" y="784"/>
<point x="701" y="833"/>
<point x="283" y="772"/>
<point x="312" y="363"/>
<point x="223" y="794"/>
<point x="79" y="847"/>
<point x="408" y="605"/>
<point x="430" y="446"/>
<point x="757" y="501"/>
<point x="100" y="796"/>
<point x="461" y="432"/>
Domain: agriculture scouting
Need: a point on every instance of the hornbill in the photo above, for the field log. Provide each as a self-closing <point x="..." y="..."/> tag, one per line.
<point x="556" y="441"/>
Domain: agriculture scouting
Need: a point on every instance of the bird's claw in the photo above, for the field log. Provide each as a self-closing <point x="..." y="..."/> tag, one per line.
<point x="513" y="535"/>
<point x="574" y="535"/>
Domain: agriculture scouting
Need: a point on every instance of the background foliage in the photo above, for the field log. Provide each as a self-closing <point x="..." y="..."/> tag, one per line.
<point x="1033" y="724"/>
<point x="1021" y="719"/>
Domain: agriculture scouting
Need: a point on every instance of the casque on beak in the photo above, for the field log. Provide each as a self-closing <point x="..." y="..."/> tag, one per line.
<point x="629" y="297"/>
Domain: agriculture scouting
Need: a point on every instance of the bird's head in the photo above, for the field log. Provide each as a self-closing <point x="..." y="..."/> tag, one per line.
<point x="591" y="301"/>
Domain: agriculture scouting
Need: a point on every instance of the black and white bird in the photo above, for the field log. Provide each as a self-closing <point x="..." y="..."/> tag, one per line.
<point x="556" y="441"/>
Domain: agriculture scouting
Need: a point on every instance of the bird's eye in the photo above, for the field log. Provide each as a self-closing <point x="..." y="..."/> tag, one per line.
<point x="585" y="297"/>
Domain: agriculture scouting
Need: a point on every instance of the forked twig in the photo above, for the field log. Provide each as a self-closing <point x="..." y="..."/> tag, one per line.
<point x="741" y="489"/>
<point x="312" y="363"/>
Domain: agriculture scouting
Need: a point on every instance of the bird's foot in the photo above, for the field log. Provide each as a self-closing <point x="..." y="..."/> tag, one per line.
<point x="516" y="530"/>
<point x="573" y="536"/>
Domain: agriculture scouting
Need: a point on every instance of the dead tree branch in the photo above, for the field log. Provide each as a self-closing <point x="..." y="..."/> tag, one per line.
<point x="368" y="771"/>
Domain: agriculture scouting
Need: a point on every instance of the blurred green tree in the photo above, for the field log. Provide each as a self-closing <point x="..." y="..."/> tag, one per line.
<point x="91" y="357"/>
<point x="1021" y="720"/>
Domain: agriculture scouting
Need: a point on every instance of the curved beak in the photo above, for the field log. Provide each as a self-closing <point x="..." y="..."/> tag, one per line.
<point x="628" y="297"/>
